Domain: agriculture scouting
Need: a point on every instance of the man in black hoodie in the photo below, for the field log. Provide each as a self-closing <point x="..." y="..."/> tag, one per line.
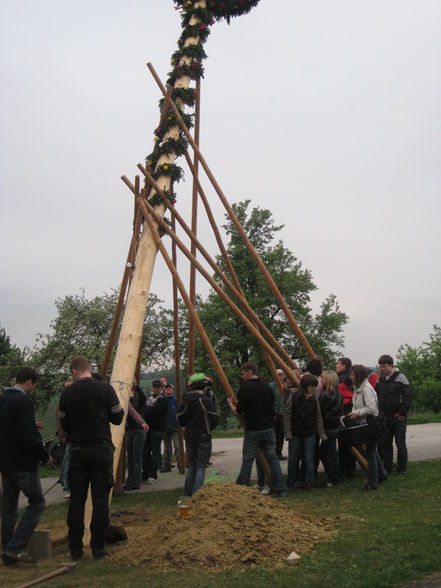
<point x="21" y="448"/>
<point x="198" y="415"/>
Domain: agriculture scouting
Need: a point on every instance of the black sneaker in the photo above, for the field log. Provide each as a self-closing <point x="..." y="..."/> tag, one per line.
<point x="21" y="556"/>
<point x="101" y="554"/>
<point x="8" y="561"/>
<point x="76" y="554"/>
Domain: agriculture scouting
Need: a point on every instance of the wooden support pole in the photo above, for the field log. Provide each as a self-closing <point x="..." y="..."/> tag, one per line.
<point x="286" y="366"/>
<point x="203" y="335"/>
<point x="297" y="330"/>
<point x="181" y="462"/>
<point x="214" y="226"/>
<point x="358" y="456"/>
<point x="61" y="570"/>
<point x="194" y="222"/>
<point x="128" y="270"/>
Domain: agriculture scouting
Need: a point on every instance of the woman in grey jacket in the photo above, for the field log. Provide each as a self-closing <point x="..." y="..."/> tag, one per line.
<point x="365" y="405"/>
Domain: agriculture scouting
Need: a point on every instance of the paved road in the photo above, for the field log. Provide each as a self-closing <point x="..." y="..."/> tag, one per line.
<point x="423" y="442"/>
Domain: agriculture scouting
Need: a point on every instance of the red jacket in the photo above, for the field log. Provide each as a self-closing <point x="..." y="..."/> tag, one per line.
<point x="347" y="394"/>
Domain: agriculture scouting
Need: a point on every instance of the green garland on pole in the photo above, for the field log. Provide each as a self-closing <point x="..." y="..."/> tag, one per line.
<point x="187" y="61"/>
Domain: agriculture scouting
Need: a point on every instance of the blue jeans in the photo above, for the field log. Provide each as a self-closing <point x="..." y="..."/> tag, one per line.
<point x="395" y="429"/>
<point x="301" y="447"/>
<point x="64" y="468"/>
<point x="376" y="470"/>
<point x="265" y="440"/>
<point x="135" y="447"/>
<point x="198" y="455"/>
<point x="329" y="456"/>
<point x="29" y="483"/>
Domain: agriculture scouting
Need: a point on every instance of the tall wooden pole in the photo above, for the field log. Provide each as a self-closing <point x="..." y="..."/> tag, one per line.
<point x="194" y="222"/>
<point x="181" y="463"/>
<point x="136" y="304"/>
<point x="133" y="321"/>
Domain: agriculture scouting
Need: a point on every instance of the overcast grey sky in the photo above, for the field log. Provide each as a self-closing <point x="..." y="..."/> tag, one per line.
<point x="328" y="113"/>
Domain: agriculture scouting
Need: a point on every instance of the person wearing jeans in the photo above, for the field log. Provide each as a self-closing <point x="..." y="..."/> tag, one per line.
<point x="255" y="403"/>
<point x="171" y="432"/>
<point x="198" y="455"/>
<point x="365" y="405"/>
<point x="135" y="437"/>
<point x="301" y="448"/>
<point x="395" y="399"/>
<point x="198" y="415"/>
<point x="21" y="449"/>
<point x="303" y="422"/>
<point x="331" y="407"/>
<point x="156" y="417"/>
<point x="396" y="429"/>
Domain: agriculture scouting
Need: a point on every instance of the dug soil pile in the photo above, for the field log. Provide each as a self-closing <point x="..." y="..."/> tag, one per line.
<point x="228" y="526"/>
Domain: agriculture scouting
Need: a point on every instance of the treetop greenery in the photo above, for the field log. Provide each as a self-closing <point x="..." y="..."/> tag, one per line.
<point x="422" y="366"/>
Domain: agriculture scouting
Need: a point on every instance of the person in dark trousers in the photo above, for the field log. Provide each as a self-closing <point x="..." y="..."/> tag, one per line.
<point x="62" y="436"/>
<point x="279" y="411"/>
<point x="156" y="417"/>
<point x="198" y="415"/>
<point x="87" y="408"/>
<point x="255" y="402"/>
<point x="365" y="406"/>
<point x="171" y="431"/>
<point x="136" y="430"/>
<point x="303" y="425"/>
<point x="21" y="449"/>
<point x="395" y="399"/>
<point x="346" y="388"/>
<point x="331" y="407"/>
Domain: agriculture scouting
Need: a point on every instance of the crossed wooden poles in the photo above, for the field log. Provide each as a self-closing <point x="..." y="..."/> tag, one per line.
<point x="274" y="353"/>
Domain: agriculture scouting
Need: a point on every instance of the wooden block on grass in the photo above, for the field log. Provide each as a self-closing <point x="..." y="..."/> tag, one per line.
<point x="40" y="545"/>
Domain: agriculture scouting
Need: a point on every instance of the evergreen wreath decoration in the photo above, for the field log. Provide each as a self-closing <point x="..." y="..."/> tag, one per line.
<point x="187" y="61"/>
<point x="223" y="8"/>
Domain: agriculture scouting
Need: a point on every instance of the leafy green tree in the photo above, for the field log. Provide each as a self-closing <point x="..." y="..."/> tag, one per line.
<point x="230" y="338"/>
<point x="422" y="366"/>
<point x="82" y="327"/>
<point x="11" y="359"/>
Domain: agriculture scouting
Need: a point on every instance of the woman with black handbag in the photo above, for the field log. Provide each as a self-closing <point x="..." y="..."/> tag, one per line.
<point x="365" y="408"/>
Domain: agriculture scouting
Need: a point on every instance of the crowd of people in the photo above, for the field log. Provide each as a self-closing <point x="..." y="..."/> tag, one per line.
<point x="318" y="414"/>
<point x="310" y="416"/>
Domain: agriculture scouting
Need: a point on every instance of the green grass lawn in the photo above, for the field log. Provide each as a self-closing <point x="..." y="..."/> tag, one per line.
<point x="385" y="538"/>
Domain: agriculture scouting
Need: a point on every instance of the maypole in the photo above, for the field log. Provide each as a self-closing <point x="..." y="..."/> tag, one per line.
<point x="170" y="143"/>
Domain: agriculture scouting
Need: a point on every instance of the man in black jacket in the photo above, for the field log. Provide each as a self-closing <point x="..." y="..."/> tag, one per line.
<point x="395" y="399"/>
<point x="87" y="408"/>
<point x="255" y="402"/>
<point x="156" y="410"/>
<point x="21" y="448"/>
<point x="198" y="415"/>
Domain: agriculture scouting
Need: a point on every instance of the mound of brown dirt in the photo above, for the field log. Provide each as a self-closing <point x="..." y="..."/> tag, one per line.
<point x="228" y="526"/>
